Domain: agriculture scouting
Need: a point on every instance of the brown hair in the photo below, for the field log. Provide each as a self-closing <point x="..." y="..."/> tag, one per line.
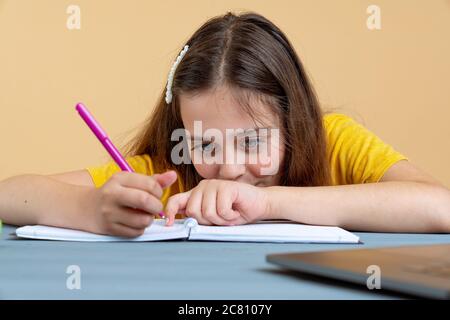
<point x="250" y="53"/>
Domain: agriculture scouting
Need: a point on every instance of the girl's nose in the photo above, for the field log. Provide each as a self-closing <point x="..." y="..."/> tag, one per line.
<point x="231" y="171"/>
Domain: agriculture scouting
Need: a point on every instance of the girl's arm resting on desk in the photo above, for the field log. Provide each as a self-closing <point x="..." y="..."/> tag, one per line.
<point x="124" y="206"/>
<point x="37" y="199"/>
<point x="406" y="200"/>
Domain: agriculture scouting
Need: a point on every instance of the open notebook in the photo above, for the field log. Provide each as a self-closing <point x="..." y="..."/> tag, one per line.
<point x="189" y="229"/>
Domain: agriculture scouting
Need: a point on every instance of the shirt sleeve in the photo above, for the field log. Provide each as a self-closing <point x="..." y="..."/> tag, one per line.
<point x="100" y="174"/>
<point x="357" y="155"/>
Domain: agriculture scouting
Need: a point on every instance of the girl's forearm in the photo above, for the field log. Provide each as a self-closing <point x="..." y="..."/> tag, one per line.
<point x="37" y="199"/>
<point x="393" y="206"/>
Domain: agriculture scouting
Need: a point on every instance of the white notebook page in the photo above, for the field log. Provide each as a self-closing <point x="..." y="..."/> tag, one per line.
<point x="273" y="232"/>
<point x="270" y="231"/>
<point x="156" y="231"/>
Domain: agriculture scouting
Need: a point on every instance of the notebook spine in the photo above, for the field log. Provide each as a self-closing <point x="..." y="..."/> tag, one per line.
<point x="190" y="223"/>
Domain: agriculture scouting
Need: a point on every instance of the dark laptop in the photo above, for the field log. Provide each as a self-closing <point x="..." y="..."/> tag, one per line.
<point x="418" y="270"/>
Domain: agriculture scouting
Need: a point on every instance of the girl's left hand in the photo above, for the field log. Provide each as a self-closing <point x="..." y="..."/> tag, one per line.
<point x="220" y="202"/>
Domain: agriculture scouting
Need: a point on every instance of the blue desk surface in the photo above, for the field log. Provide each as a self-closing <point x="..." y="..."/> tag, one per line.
<point x="36" y="269"/>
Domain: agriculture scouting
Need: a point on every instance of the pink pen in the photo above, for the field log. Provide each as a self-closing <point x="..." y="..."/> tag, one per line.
<point x="103" y="138"/>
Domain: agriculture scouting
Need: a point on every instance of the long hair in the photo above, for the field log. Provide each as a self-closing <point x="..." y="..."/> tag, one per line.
<point x="249" y="53"/>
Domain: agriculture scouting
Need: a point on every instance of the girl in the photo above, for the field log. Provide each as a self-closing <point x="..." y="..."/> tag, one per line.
<point x="240" y="78"/>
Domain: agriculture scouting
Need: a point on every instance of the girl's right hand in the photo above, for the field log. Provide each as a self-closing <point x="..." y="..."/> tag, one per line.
<point x="126" y="204"/>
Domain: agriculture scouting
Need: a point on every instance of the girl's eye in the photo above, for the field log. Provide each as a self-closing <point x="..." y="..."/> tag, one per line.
<point x="251" y="142"/>
<point x="205" y="146"/>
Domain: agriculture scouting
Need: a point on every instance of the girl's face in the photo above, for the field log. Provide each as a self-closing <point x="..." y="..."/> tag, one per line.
<point x="226" y="143"/>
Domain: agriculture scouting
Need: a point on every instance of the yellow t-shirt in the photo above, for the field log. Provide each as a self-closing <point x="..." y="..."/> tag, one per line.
<point x="355" y="154"/>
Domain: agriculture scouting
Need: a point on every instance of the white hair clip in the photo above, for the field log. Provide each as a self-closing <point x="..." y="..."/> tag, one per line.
<point x="172" y="72"/>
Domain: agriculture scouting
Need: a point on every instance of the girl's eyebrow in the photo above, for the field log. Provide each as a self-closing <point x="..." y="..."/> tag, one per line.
<point x="201" y="138"/>
<point x="257" y="129"/>
<point x="245" y="131"/>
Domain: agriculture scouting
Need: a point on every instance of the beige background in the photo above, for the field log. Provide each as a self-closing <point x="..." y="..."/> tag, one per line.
<point x="395" y="80"/>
